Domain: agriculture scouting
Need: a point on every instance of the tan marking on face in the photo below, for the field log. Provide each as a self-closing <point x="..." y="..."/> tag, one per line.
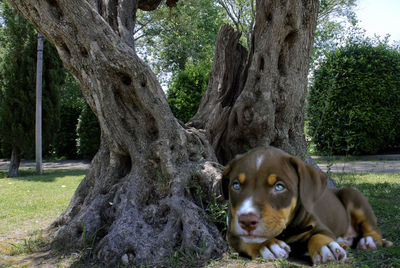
<point x="276" y="220"/>
<point x="242" y="178"/>
<point x="287" y="213"/>
<point x="316" y="242"/>
<point x="272" y="179"/>
<point x="232" y="221"/>
<point x="367" y="230"/>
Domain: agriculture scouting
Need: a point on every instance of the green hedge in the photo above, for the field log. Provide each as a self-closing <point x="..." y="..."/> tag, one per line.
<point x="354" y="101"/>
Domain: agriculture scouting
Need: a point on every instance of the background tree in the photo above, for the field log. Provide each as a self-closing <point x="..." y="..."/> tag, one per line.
<point x="242" y="15"/>
<point x="353" y="104"/>
<point x="336" y="21"/>
<point x="169" y="37"/>
<point x="186" y="90"/>
<point x="18" y="69"/>
<point x="72" y="104"/>
<point x="138" y="201"/>
<point x="88" y="133"/>
<point x="79" y="133"/>
<point x="179" y="44"/>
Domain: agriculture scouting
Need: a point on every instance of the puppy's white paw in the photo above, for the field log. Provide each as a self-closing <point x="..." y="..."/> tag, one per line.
<point x="366" y="242"/>
<point x="338" y="251"/>
<point x="387" y="243"/>
<point x="275" y="250"/>
<point x="331" y="252"/>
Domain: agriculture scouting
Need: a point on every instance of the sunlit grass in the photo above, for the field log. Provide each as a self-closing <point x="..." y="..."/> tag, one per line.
<point x="383" y="193"/>
<point x="31" y="202"/>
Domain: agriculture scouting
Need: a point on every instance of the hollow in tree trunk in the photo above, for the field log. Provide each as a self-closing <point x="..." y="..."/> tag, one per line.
<point x="146" y="193"/>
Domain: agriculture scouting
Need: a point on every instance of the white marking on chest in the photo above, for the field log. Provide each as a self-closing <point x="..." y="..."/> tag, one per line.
<point x="260" y="159"/>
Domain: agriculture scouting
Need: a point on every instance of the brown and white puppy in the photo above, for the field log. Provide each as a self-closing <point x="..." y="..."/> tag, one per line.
<point x="277" y="200"/>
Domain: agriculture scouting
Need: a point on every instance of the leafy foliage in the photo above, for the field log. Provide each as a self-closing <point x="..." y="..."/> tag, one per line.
<point x="242" y="16"/>
<point x="168" y="38"/>
<point x="354" y="102"/>
<point x="72" y="103"/>
<point x="336" y="21"/>
<point x="88" y="132"/>
<point x="186" y="91"/>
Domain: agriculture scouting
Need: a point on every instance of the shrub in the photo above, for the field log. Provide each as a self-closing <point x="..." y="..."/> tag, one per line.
<point x="72" y="103"/>
<point x="354" y="100"/>
<point x="186" y="90"/>
<point x="88" y="132"/>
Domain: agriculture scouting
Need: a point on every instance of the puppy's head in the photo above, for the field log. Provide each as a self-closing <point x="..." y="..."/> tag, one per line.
<point x="264" y="188"/>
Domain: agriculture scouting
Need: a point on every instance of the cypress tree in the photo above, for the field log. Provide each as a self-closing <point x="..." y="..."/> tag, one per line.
<point x="18" y="73"/>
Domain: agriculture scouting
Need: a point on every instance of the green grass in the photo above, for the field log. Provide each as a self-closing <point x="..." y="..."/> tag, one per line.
<point x="31" y="202"/>
<point x="383" y="192"/>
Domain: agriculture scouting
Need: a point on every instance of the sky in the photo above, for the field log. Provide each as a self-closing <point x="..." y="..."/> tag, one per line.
<point x="380" y="16"/>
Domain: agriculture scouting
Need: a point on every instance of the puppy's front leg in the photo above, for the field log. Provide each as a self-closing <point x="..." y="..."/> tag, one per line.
<point x="323" y="249"/>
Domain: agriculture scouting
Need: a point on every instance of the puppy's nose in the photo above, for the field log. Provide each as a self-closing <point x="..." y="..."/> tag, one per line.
<point x="248" y="221"/>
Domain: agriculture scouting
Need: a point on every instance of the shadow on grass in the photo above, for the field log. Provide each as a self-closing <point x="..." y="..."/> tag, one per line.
<point x="47" y="176"/>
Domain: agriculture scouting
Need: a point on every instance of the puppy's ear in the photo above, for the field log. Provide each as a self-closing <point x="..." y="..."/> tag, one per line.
<point x="312" y="182"/>
<point x="225" y="177"/>
<point x="225" y="182"/>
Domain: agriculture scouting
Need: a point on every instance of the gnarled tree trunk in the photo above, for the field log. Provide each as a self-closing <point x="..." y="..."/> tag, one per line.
<point x="257" y="100"/>
<point x="139" y="202"/>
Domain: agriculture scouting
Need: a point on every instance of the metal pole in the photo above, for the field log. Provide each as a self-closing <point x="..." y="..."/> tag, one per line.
<point x="38" y="130"/>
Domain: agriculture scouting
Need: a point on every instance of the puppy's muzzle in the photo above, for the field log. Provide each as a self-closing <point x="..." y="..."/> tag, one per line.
<point x="248" y="222"/>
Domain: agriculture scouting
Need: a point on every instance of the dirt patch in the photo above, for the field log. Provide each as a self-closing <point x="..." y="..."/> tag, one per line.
<point x="33" y="251"/>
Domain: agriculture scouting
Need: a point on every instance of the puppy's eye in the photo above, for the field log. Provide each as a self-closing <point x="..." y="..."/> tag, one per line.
<point x="236" y="186"/>
<point x="279" y="187"/>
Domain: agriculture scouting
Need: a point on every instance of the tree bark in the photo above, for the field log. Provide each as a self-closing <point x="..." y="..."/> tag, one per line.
<point x="224" y="86"/>
<point x="137" y="202"/>
<point x="14" y="162"/>
<point x="140" y="201"/>
<point x="259" y="100"/>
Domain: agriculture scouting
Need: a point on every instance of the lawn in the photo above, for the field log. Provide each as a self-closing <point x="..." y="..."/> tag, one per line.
<point x="383" y="192"/>
<point x="31" y="202"/>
